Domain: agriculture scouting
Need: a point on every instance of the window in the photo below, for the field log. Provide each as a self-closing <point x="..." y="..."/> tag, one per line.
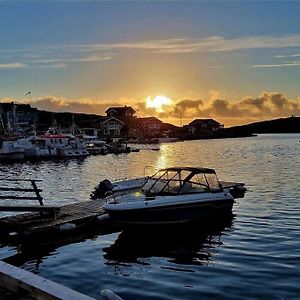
<point x="196" y="184"/>
<point x="213" y="182"/>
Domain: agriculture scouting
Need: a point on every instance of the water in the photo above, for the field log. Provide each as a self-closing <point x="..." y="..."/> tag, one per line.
<point x="254" y="256"/>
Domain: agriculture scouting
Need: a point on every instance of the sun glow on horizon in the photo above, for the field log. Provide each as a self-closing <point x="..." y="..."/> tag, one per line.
<point x="158" y="102"/>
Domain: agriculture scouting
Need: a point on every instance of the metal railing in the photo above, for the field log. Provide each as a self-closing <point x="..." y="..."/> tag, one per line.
<point x="34" y="190"/>
<point x="10" y="189"/>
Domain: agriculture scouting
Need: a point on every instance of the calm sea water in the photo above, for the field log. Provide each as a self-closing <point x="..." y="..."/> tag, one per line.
<point x="254" y="256"/>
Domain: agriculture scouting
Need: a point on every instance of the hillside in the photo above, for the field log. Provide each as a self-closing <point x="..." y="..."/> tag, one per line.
<point x="282" y="125"/>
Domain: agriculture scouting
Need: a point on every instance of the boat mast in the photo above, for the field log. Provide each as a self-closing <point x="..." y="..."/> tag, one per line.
<point x="1" y="120"/>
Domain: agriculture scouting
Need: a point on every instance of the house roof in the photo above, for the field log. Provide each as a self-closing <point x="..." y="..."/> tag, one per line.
<point x="147" y="119"/>
<point x="204" y="121"/>
<point x="120" y="110"/>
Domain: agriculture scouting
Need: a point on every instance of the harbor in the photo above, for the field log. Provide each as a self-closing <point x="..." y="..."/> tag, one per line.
<point x="149" y="150"/>
<point x="95" y="256"/>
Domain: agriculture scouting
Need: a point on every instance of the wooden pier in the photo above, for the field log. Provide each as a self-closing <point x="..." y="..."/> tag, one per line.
<point x="26" y="285"/>
<point x="21" y="284"/>
<point x="68" y="217"/>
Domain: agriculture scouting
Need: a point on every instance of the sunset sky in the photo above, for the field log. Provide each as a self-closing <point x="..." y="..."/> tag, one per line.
<point x="235" y="61"/>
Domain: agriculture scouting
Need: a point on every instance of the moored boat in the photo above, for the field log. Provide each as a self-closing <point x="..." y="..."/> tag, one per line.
<point x="172" y="195"/>
<point x="9" y="151"/>
<point x="52" y="145"/>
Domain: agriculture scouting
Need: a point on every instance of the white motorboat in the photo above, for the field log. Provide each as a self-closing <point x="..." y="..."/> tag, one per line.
<point x="9" y="151"/>
<point x="172" y="195"/>
<point x="52" y="145"/>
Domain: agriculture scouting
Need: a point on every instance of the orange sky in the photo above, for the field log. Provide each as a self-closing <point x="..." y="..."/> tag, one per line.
<point x="234" y="61"/>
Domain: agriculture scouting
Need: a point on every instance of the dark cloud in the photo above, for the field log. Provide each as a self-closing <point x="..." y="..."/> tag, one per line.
<point x="61" y="105"/>
<point x="267" y="105"/>
<point x="184" y="108"/>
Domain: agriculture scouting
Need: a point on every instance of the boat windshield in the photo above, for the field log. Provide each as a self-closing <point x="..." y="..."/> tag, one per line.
<point x="181" y="182"/>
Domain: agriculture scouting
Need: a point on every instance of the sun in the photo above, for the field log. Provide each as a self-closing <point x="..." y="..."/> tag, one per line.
<point x="159" y="102"/>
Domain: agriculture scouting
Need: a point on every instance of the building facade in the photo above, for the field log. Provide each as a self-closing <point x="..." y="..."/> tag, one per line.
<point x="111" y="127"/>
<point x="204" y="127"/>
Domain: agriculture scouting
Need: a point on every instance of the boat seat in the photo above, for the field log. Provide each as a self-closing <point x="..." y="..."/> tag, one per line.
<point x="186" y="188"/>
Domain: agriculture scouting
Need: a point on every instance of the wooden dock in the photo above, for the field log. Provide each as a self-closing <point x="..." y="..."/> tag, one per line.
<point x="26" y="285"/>
<point x="21" y="284"/>
<point x="71" y="216"/>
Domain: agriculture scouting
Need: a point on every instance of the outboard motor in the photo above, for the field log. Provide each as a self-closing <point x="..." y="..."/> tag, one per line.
<point x="238" y="191"/>
<point x="101" y="189"/>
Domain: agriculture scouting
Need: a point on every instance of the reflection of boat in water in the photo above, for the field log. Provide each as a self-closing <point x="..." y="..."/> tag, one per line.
<point x="188" y="244"/>
<point x="173" y="195"/>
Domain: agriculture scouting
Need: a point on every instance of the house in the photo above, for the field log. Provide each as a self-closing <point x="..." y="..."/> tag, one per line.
<point x="101" y="126"/>
<point x="204" y="127"/>
<point x="111" y="126"/>
<point x="120" y="112"/>
<point x="148" y="127"/>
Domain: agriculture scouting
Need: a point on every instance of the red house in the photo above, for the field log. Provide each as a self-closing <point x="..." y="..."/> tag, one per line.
<point x="147" y="127"/>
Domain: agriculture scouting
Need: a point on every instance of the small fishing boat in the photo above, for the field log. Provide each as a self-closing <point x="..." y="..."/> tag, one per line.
<point x="172" y="195"/>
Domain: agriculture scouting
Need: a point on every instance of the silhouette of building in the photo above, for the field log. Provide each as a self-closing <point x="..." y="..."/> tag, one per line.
<point x="203" y="127"/>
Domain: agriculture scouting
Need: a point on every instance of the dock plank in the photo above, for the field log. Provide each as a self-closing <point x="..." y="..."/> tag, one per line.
<point x="71" y="213"/>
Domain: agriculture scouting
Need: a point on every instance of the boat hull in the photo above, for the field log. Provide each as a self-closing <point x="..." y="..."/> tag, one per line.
<point x="172" y="214"/>
<point x="12" y="156"/>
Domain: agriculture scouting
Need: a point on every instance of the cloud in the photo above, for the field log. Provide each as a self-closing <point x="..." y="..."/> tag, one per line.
<point x="90" y="58"/>
<point x="214" y="67"/>
<point x="267" y="105"/>
<point x="205" y="44"/>
<point x="48" y="57"/>
<point x="58" y="104"/>
<point x="80" y="105"/>
<point x="286" y="64"/>
<point x="50" y="66"/>
<point x="285" y="56"/>
<point x="12" y="66"/>
<point x="65" y="54"/>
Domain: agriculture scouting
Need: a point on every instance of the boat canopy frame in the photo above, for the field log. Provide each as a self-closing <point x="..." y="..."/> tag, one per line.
<point x="206" y="186"/>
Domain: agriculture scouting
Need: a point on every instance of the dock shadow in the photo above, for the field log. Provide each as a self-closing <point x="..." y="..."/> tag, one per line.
<point x="37" y="250"/>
